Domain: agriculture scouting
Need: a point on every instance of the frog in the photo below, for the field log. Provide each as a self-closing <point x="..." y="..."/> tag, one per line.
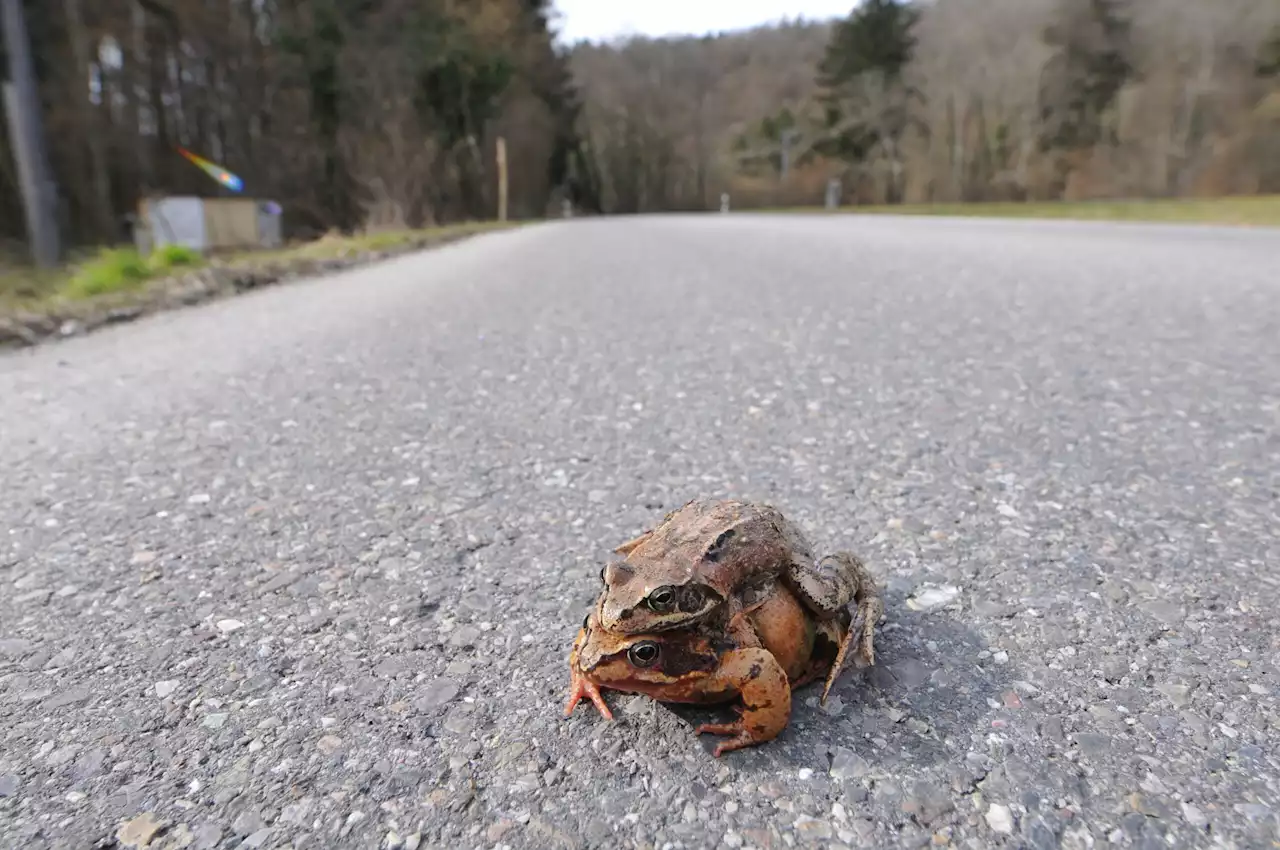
<point x="785" y="649"/>
<point x="709" y="560"/>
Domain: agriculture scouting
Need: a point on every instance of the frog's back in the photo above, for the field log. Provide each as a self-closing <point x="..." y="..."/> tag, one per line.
<point x="724" y="543"/>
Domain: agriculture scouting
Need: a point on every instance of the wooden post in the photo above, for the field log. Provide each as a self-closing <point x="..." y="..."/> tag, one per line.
<point x="502" y="179"/>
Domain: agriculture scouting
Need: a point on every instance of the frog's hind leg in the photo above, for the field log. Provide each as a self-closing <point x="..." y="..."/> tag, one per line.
<point x="865" y="613"/>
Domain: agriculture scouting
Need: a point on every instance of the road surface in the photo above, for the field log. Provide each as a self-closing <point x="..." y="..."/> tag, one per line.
<point x="302" y="568"/>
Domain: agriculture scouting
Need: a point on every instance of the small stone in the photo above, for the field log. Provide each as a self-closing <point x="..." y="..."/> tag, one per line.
<point x="1000" y="657"/>
<point x="229" y="626"/>
<point x="1194" y="815"/>
<point x="207" y="836"/>
<point x="166" y="688"/>
<point x="71" y="696"/>
<point x="1253" y="811"/>
<point x="15" y="647"/>
<point x="1000" y="819"/>
<point x="8" y="785"/>
<point x="214" y="721"/>
<point x="247" y="822"/>
<point x="846" y="764"/>
<point x="71" y="590"/>
<point x="198" y="499"/>
<point x="499" y="829"/>
<point x="597" y="495"/>
<point x="436" y="693"/>
<point x="929" y="597"/>
<point x="142" y="557"/>
<point x="139" y="831"/>
<point x="412" y="840"/>
<point x="258" y="838"/>
<point x="810" y="827"/>
<point x="464" y="637"/>
<point x="329" y="744"/>
<point x="179" y="837"/>
<point x="1011" y="699"/>
<point x="1006" y="510"/>
<point x="805" y="773"/>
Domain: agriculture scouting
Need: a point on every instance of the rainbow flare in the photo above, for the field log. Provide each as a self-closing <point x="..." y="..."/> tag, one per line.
<point x="217" y="172"/>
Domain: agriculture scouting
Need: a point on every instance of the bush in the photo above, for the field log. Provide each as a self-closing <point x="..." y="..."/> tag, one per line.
<point x="168" y="257"/>
<point x="114" y="270"/>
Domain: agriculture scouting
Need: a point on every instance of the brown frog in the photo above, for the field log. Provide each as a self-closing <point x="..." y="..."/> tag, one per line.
<point x="710" y="560"/>
<point x="784" y="649"/>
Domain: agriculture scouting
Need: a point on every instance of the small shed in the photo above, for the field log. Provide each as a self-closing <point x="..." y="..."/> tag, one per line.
<point x="207" y="224"/>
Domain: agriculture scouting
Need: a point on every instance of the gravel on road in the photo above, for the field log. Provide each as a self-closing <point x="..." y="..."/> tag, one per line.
<point x="303" y="568"/>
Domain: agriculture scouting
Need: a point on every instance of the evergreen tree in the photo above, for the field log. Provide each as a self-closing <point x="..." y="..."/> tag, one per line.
<point x="866" y="100"/>
<point x="1093" y="61"/>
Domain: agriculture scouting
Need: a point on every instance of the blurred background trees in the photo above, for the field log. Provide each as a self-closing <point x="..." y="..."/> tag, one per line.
<point x="357" y="113"/>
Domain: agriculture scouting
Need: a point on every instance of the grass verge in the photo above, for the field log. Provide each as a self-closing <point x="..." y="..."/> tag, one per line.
<point x="1251" y="211"/>
<point x="113" y="274"/>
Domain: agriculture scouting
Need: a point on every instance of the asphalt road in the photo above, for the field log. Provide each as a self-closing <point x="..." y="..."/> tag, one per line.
<point x="302" y="568"/>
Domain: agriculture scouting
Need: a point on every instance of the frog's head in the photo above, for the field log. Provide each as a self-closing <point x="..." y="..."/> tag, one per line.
<point x="655" y="597"/>
<point x="642" y="663"/>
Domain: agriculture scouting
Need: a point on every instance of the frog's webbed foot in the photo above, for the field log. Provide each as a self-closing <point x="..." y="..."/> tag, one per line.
<point x="766" y="699"/>
<point x="580" y="686"/>
<point x="860" y="637"/>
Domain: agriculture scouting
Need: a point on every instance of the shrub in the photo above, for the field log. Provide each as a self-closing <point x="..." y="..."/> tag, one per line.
<point x="168" y="257"/>
<point x="114" y="270"/>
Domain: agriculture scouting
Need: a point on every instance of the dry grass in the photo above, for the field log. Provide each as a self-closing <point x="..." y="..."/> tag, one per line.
<point x="1251" y="211"/>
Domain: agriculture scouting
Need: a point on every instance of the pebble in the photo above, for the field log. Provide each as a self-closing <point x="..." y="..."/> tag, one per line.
<point x="8" y="785"/>
<point x="258" y="838"/>
<point x="929" y="597"/>
<point x="1194" y="815"/>
<point x="811" y="827"/>
<point x="229" y="626"/>
<point x="999" y="818"/>
<point x="329" y="744"/>
<point x="71" y="696"/>
<point x="166" y="688"/>
<point x="214" y="721"/>
<point x="138" y="831"/>
<point x="846" y="764"/>
<point x="436" y="693"/>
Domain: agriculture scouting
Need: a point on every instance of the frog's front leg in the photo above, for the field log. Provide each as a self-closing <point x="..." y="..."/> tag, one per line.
<point x="766" y="698"/>
<point x="580" y="686"/>
<point x="866" y="608"/>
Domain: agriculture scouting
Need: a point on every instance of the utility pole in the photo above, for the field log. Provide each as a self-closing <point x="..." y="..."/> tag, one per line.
<point x="23" y="105"/>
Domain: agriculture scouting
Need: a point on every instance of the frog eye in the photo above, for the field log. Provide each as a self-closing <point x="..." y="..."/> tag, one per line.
<point x="643" y="654"/>
<point x="663" y="600"/>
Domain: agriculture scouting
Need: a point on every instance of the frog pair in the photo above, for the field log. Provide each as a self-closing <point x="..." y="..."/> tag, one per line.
<point x="724" y="599"/>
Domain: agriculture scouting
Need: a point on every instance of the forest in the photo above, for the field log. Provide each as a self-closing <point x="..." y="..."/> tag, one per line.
<point x="366" y="114"/>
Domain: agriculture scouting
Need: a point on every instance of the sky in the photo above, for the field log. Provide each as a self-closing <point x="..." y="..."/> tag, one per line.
<point x="597" y="19"/>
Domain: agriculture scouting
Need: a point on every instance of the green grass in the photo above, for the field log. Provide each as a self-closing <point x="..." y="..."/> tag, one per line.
<point x="116" y="271"/>
<point x="1261" y="210"/>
